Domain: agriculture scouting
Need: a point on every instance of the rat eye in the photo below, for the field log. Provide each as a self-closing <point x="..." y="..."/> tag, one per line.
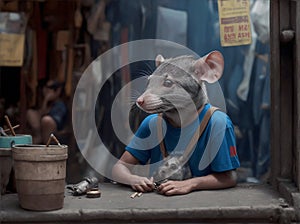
<point x="168" y="83"/>
<point x="173" y="166"/>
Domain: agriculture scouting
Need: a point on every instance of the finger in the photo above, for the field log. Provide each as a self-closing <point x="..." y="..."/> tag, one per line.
<point x="171" y="192"/>
<point x="167" y="188"/>
<point x="148" y="184"/>
<point x="151" y="179"/>
<point x="133" y="188"/>
<point x="139" y="188"/>
<point x="163" y="185"/>
<point x="148" y="181"/>
<point x="172" y="189"/>
<point x="142" y="187"/>
<point x="148" y="187"/>
<point x="151" y="186"/>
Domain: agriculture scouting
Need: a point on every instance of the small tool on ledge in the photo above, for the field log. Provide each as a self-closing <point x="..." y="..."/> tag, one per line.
<point x="93" y="193"/>
<point x="87" y="185"/>
<point x="136" y="194"/>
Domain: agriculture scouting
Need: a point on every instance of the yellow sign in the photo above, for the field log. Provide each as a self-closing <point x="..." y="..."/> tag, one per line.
<point x="11" y="49"/>
<point x="234" y="19"/>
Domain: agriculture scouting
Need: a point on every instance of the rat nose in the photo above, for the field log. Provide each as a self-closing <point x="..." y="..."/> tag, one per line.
<point x="140" y="101"/>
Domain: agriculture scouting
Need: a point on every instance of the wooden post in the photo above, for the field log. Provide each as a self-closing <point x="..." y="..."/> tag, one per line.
<point x="296" y="121"/>
<point x="23" y="101"/>
<point x="275" y="91"/>
<point x="282" y="91"/>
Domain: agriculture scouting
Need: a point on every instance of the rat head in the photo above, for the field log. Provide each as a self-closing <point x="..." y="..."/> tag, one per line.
<point x="178" y="82"/>
<point x="172" y="168"/>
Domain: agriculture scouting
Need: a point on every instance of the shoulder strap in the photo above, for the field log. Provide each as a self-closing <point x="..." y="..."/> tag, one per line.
<point x="198" y="133"/>
<point x="160" y="136"/>
<point x="194" y="139"/>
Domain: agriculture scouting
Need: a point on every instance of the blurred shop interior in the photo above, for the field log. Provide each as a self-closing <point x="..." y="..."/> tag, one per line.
<point x="63" y="37"/>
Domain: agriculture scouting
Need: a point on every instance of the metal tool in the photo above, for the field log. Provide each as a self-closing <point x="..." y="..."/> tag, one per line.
<point x="84" y="186"/>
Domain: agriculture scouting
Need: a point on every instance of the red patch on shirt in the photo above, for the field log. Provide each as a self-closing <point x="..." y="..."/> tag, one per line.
<point x="232" y="151"/>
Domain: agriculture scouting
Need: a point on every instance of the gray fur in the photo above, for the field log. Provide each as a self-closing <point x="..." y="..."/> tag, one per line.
<point x="172" y="169"/>
<point x="181" y="71"/>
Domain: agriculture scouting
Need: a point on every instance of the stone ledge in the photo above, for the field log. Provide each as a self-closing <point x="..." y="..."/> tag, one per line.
<point x="251" y="203"/>
<point x="289" y="191"/>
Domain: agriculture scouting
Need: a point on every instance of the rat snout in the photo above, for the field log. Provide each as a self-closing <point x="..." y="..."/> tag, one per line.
<point x="149" y="102"/>
<point x="140" y="101"/>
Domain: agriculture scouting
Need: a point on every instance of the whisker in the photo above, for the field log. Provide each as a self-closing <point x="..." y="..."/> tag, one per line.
<point x="129" y="100"/>
<point x="142" y="73"/>
<point x="135" y="92"/>
<point x="144" y="69"/>
<point x="149" y="66"/>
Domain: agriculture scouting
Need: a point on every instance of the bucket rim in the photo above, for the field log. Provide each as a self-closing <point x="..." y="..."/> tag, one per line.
<point x="4" y="152"/>
<point x="18" y="146"/>
<point x="15" y="136"/>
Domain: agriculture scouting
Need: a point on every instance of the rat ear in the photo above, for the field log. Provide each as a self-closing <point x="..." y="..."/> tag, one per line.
<point x="210" y="67"/>
<point x="158" y="60"/>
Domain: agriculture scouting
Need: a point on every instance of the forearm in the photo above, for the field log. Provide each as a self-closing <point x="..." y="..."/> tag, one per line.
<point x="44" y="108"/>
<point x="214" y="181"/>
<point x="211" y="181"/>
<point x="122" y="174"/>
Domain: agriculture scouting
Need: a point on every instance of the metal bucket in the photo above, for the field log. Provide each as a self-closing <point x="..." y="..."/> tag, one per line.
<point x="40" y="174"/>
<point x="6" y="162"/>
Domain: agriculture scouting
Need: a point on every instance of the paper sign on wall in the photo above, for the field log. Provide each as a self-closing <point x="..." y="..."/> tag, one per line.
<point x="234" y="19"/>
<point x="12" y="49"/>
<point x="12" y="38"/>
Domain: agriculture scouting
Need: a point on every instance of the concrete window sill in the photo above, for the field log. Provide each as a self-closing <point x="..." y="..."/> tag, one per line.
<point x="244" y="203"/>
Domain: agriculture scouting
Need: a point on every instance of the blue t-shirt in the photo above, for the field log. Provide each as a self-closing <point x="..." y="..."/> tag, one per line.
<point x="214" y="152"/>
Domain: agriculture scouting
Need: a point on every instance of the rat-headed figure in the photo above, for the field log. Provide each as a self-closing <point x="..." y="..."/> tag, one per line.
<point x="176" y="91"/>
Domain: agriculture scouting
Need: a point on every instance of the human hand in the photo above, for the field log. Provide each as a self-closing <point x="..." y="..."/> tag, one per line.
<point x="142" y="184"/>
<point x="175" y="187"/>
<point x="51" y="95"/>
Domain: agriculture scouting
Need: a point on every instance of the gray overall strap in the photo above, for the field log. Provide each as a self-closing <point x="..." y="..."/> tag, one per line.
<point x="194" y="139"/>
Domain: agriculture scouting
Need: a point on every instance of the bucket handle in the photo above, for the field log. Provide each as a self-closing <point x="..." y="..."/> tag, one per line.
<point x="9" y="125"/>
<point x="52" y="137"/>
<point x="12" y="143"/>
